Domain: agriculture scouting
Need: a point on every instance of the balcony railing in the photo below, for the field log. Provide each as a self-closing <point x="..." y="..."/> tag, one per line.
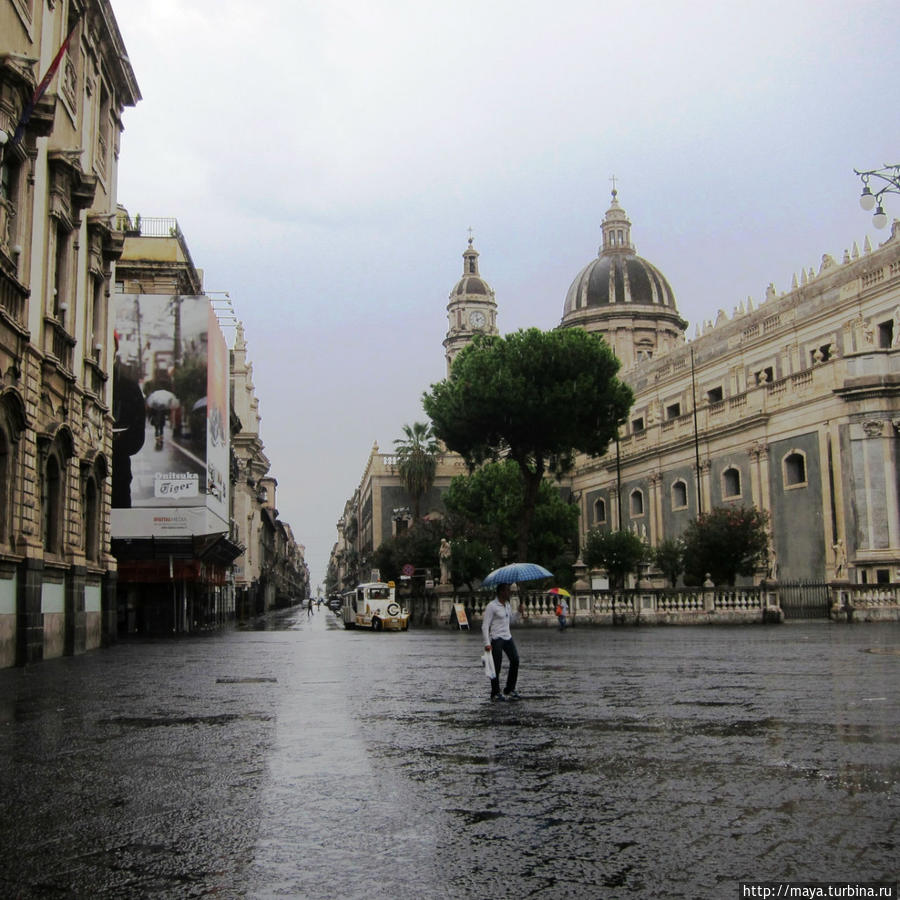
<point x="58" y="342"/>
<point x="94" y="377"/>
<point x="12" y="299"/>
<point x="148" y="226"/>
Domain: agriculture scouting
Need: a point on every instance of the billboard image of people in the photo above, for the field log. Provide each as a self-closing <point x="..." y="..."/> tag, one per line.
<point x="171" y="428"/>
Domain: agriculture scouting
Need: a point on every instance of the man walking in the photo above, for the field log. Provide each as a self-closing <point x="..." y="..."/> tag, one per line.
<point x="498" y="639"/>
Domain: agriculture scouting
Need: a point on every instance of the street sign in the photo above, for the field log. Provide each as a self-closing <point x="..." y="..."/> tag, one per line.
<point x="462" y="620"/>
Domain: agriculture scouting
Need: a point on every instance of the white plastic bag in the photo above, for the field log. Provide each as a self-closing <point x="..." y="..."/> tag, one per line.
<point x="487" y="660"/>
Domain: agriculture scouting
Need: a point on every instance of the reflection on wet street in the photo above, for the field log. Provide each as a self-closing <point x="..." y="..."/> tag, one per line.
<point x="295" y="759"/>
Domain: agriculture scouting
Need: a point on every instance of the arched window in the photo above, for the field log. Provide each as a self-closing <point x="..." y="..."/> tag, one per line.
<point x="795" y="469"/>
<point x="6" y="469"/>
<point x="731" y="483"/>
<point x="91" y="519"/>
<point x="12" y="423"/>
<point x="52" y="503"/>
<point x="56" y="450"/>
<point x="637" y="503"/>
<point x="679" y="495"/>
<point x="599" y="511"/>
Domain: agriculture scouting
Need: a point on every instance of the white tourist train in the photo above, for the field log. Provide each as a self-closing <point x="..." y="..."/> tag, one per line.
<point x="374" y="605"/>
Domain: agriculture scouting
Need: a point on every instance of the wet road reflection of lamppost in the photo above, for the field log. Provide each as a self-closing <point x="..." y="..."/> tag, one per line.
<point x="889" y="176"/>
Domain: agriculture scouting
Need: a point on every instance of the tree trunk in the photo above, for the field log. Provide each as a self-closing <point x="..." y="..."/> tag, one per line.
<point x="532" y="482"/>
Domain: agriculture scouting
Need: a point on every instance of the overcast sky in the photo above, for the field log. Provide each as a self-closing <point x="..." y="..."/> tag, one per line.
<point x="324" y="161"/>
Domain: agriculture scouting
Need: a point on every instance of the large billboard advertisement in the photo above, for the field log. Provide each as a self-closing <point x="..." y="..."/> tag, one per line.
<point x="171" y="411"/>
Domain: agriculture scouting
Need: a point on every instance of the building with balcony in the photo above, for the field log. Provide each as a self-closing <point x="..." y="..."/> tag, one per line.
<point x="65" y="82"/>
<point x="791" y="406"/>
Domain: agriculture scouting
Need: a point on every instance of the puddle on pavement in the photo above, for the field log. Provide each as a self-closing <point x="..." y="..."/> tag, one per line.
<point x="171" y="721"/>
<point x="245" y="679"/>
<point x="475" y="816"/>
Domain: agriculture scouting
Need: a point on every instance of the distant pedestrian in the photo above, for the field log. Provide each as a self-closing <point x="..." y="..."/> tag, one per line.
<point x="498" y="639"/>
<point x="309" y="608"/>
<point x="562" y="611"/>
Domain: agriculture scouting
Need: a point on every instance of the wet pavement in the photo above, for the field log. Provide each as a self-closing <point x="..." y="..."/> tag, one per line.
<point x="300" y="760"/>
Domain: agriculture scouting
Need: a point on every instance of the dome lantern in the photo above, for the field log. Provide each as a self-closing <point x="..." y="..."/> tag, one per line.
<point x="616" y="229"/>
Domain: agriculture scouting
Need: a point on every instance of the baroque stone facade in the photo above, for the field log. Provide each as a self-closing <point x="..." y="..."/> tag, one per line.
<point x="792" y="406"/>
<point x="788" y="407"/>
<point x="58" y="172"/>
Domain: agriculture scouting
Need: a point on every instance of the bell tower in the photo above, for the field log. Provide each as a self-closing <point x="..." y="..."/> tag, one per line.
<point x="472" y="308"/>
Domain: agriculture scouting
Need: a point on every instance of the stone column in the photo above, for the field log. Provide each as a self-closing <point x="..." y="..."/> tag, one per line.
<point x="613" y="518"/>
<point x="755" y="495"/>
<point x="705" y="486"/>
<point x="834" y="464"/>
<point x="656" y="528"/>
<point x="765" y="495"/>
<point x="889" y="444"/>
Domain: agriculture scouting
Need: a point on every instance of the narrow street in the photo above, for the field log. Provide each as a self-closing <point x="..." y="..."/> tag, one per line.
<point x="300" y="760"/>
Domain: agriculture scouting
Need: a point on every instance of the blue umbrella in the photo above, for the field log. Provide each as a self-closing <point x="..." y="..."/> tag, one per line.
<point x="516" y="572"/>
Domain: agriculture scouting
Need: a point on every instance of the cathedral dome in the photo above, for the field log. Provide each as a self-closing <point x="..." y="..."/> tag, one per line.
<point x="618" y="279"/>
<point x="618" y="275"/>
<point x="624" y="298"/>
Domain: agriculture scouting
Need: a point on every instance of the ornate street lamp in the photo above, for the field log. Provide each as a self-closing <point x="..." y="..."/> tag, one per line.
<point x="870" y="200"/>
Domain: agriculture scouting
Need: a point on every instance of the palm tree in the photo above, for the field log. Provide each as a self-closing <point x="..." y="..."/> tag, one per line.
<point x="417" y="457"/>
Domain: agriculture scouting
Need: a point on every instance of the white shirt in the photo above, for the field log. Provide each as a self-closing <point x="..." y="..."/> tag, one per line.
<point x="495" y="623"/>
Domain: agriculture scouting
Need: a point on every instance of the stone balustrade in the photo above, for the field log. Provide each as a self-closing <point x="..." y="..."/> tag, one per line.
<point x="865" y="602"/>
<point x="656" y="606"/>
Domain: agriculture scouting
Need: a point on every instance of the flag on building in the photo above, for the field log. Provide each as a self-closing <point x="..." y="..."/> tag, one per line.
<point x="40" y="90"/>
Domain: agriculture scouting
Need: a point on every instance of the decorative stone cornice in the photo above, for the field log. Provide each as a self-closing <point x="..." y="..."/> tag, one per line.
<point x="105" y="243"/>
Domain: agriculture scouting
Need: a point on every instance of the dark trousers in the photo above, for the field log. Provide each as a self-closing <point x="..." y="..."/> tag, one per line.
<point x="499" y="646"/>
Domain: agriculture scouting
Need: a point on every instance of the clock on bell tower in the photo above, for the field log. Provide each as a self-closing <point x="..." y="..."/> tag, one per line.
<point x="472" y="308"/>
